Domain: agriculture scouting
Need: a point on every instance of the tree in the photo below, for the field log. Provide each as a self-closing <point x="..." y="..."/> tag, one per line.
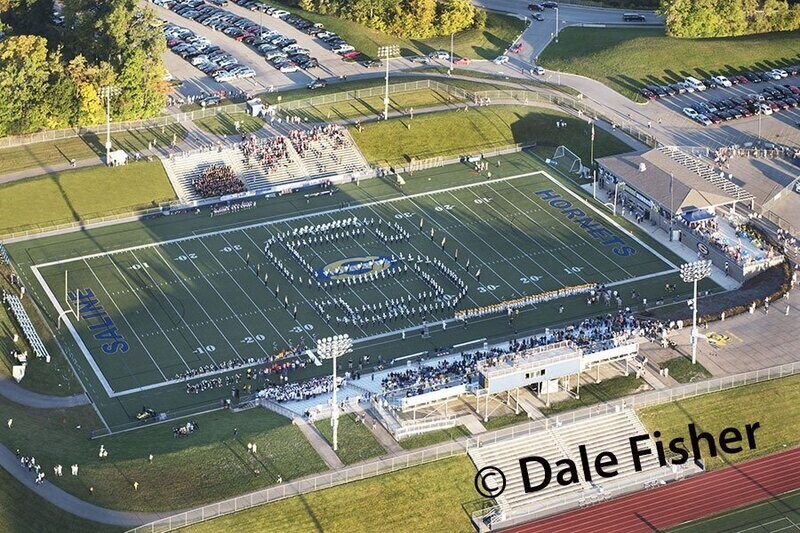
<point x="455" y="16"/>
<point x="24" y="79"/>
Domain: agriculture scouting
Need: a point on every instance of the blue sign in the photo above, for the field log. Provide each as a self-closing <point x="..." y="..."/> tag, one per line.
<point x="355" y="266"/>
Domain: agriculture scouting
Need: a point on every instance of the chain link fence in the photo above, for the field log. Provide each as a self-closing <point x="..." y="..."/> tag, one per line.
<point x="460" y="447"/>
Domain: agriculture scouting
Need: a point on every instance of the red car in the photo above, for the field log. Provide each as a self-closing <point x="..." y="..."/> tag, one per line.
<point x="462" y="61"/>
<point x="517" y="48"/>
<point x="351" y="54"/>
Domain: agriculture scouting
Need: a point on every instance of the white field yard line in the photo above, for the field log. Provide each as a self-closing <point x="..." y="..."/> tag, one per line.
<point x="288" y="219"/>
<point x="76" y="337"/>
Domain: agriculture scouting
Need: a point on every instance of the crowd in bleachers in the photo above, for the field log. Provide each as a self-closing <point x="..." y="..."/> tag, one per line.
<point x="287" y="392"/>
<point x="331" y="134"/>
<point x="591" y="335"/>
<point x="269" y="153"/>
<point x="217" y="180"/>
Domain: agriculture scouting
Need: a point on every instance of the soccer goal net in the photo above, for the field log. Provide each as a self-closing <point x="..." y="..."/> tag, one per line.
<point x="568" y="161"/>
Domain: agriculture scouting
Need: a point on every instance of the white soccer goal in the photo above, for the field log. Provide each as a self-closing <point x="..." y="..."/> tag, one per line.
<point x="568" y="161"/>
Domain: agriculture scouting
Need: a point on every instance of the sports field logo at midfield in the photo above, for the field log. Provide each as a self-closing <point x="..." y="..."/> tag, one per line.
<point x="354" y="266"/>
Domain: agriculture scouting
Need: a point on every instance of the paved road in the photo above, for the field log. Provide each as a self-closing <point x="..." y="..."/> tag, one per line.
<point x="540" y="33"/>
<point x="15" y="393"/>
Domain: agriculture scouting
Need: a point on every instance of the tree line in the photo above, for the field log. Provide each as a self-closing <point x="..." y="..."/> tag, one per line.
<point x="723" y="18"/>
<point x="51" y="76"/>
<point x="418" y="19"/>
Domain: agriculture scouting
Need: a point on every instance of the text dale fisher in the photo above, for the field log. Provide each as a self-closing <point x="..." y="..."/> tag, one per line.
<point x="538" y="473"/>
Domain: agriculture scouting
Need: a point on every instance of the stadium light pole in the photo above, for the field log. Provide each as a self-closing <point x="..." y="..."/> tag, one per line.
<point x="451" y="53"/>
<point x="331" y="348"/>
<point x="387" y="52"/>
<point x="692" y="273"/>
<point x="107" y="91"/>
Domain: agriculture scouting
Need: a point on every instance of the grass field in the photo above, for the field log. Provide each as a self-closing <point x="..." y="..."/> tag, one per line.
<point x="499" y="33"/>
<point x="356" y="442"/>
<point x="399" y="140"/>
<point x="627" y="59"/>
<point x="208" y="465"/>
<point x="434" y="437"/>
<point x="594" y="393"/>
<point x="55" y="378"/>
<point x="373" y="106"/>
<point x="774" y="404"/>
<point x="225" y="123"/>
<point x="181" y="304"/>
<point x="682" y="370"/>
<point x="80" y="194"/>
<point x="434" y="497"/>
<point x="781" y="513"/>
<point x="22" y="510"/>
<point x="79" y="148"/>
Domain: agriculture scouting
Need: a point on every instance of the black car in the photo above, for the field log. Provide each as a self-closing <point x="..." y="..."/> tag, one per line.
<point x="753" y="77"/>
<point x="535" y="7"/>
<point x="668" y="90"/>
<point x="647" y="94"/>
<point x="722" y="105"/>
<point x="317" y="84"/>
<point x="550" y="4"/>
<point x="710" y="84"/>
<point x="657" y="90"/>
<point x="678" y="88"/>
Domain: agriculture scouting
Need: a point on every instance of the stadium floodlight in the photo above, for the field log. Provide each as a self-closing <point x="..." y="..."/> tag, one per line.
<point x="387" y="52"/>
<point x="692" y="273"/>
<point x="331" y="348"/>
<point x="107" y="92"/>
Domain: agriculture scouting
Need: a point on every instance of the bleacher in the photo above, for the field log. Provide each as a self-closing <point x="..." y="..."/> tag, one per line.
<point x="321" y="162"/>
<point x="609" y="432"/>
<point x="15" y="305"/>
<point x="706" y="172"/>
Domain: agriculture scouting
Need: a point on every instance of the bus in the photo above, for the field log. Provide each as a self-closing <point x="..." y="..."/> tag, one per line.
<point x="633" y="17"/>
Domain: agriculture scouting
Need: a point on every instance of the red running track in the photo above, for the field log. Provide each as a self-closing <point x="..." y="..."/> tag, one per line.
<point x="679" y="502"/>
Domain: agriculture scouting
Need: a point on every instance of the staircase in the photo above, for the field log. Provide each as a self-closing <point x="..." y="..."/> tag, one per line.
<point x="707" y="173"/>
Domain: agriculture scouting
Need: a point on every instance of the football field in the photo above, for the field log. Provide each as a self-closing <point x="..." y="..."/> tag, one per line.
<point x="148" y="315"/>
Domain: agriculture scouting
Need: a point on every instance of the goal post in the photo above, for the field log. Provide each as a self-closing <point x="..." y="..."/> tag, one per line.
<point x="569" y="161"/>
<point x="68" y="303"/>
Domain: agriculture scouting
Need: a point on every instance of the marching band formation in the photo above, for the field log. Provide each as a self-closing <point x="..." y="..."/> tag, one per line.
<point x="510" y="305"/>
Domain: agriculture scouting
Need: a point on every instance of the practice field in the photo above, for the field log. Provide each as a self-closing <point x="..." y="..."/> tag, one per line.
<point x="151" y="313"/>
<point x="781" y="513"/>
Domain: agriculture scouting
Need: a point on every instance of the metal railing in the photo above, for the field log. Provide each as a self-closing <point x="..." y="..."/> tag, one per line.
<point x="301" y="486"/>
<point x="460" y="447"/>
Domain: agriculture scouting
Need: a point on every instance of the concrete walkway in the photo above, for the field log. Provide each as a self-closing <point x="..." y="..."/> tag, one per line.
<point x="383" y="437"/>
<point x="70" y="503"/>
<point x="13" y="392"/>
<point x="319" y="444"/>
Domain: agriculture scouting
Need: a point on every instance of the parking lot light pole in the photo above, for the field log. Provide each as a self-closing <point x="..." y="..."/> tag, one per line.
<point x="556" y="25"/>
<point x="451" y="53"/>
<point x="692" y="273"/>
<point x="332" y="348"/>
<point x="389" y="51"/>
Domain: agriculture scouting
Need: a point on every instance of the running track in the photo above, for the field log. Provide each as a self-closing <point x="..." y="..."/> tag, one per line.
<point x="673" y="504"/>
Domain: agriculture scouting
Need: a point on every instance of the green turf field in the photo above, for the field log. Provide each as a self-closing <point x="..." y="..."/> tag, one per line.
<point x="626" y="59"/>
<point x="175" y="306"/>
<point x="181" y="294"/>
<point x="781" y="513"/>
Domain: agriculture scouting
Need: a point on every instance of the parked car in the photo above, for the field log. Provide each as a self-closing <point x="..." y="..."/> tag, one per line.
<point x="722" y="81"/>
<point x="689" y="112"/>
<point x="696" y="84"/>
<point x="650" y="95"/>
<point x="317" y="84"/>
<point x="535" y="7"/>
<point x="516" y="48"/>
<point x="538" y="70"/>
<point x="500" y="60"/>
<point x="550" y="4"/>
<point x="439" y="54"/>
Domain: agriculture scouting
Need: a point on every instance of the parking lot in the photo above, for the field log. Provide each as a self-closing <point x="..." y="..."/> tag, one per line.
<point x="266" y="75"/>
<point x="754" y="113"/>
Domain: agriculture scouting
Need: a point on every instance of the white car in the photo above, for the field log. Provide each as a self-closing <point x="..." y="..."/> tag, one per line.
<point x="704" y="120"/>
<point x="722" y="81"/>
<point x="279" y="13"/>
<point x="538" y="70"/>
<point x="222" y="77"/>
<point x="500" y="60"/>
<point x="688" y="87"/>
<point x="691" y="113"/>
<point x="780" y="72"/>
<point x="696" y="84"/>
<point x="774" y="74"/>
<point x="765" y="109"/>
<point x="343" y="49"/>
<point x="439" y="54"/>
<point x="289" y="67"/>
